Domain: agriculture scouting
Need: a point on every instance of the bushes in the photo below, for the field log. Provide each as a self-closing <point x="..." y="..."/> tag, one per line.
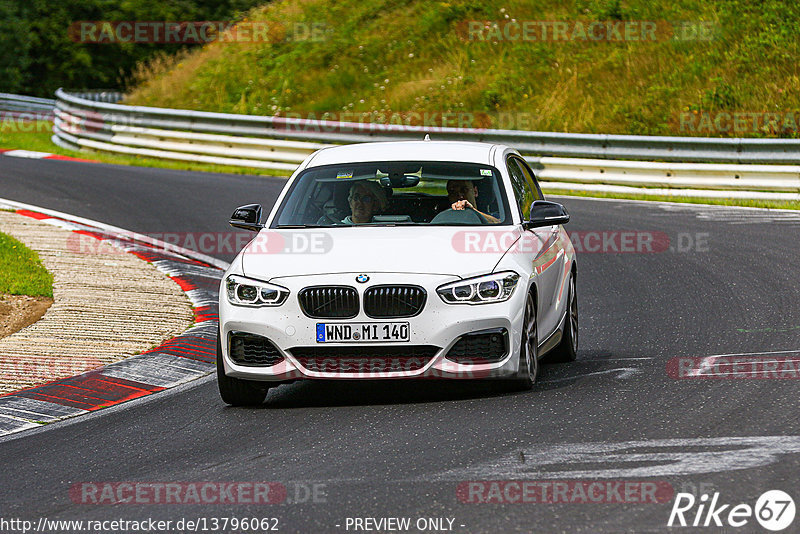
<point x="389" y="56"/>
<point x="45" y="57"/>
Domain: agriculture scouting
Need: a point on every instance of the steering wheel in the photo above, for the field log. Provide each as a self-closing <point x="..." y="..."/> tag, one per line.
<point x="465" y="216"/>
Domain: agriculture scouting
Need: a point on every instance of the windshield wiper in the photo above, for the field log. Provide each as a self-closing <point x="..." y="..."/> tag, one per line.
<point x="302" y="226"/>
<point x="399" y="223"/>
<point x="347" y="225"/>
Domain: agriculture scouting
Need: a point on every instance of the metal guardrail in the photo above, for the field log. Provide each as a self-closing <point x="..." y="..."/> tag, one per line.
<point x="247" y="140"/>
<point x="96" y="121"/>
<point x="109" y="96"/>
<point x="35" y="108"/>
<point x="724" y="177"/>
<point x="27" y="107"/>
<point x="597" y="146"/>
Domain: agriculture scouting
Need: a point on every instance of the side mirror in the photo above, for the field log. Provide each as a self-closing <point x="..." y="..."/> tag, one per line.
<point x="247" y="218"/>
<point x="544" y="213"/>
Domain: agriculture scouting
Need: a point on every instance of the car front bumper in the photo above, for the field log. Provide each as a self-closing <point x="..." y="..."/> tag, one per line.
<point x="438" y="325"/>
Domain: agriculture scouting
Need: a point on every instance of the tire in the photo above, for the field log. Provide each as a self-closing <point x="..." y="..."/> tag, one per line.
<point x="529" y="348"/>
<point x="235" y="391"/>
<point x="567" y="349"/>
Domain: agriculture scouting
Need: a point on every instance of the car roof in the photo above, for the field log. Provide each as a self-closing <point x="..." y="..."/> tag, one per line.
<point x="462" y="151"/>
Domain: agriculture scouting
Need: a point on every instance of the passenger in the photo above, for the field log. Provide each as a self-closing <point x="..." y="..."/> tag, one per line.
<point x="366" y="199"/>
<point x="462" y="195"/>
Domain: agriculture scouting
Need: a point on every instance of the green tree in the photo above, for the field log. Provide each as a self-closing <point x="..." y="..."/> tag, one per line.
<point x="40" y="55"/>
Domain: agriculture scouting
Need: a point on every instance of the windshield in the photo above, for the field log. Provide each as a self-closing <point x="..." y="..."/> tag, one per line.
<point x="395" y="193"/>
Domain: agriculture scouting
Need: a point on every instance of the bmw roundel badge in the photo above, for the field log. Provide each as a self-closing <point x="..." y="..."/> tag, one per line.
<point x="362" y="278"/>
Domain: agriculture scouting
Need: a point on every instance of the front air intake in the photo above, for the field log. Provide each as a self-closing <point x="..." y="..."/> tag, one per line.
<point x="252" y="350"/>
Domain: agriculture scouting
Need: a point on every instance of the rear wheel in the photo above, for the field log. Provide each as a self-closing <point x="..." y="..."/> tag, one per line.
<point x="529" y="348"/>
<point x="567" y="350"/>
<point x="236" y="391"/>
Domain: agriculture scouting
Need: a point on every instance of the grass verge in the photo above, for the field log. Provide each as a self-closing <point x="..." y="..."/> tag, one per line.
<point x="36" y="136"/>
<point x="749" y="203"/>
<point x="403" y="59"/>
<point x="21" y="271"/>
<point x="38" y="139"/>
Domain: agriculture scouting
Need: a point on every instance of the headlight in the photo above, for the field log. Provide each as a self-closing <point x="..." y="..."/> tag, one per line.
<point x="481" y="290"/>
<point x="248" y="292"/>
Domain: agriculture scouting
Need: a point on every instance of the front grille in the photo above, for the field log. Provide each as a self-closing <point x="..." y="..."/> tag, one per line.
<point x="253" y="350"/>
<point x="329" y="302"/>
<point x="370" y="359"/>
<point x="486" y="346"/>
<point x="393" y="301"/>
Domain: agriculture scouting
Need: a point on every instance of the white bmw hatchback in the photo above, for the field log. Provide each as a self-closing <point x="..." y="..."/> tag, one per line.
<point x="429" y="259"/>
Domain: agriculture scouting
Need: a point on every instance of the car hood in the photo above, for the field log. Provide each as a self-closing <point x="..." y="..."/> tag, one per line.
<point x="430" y="250"/>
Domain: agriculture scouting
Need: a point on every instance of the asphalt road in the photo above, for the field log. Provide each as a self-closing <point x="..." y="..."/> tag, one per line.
<point x="729" y="284"/>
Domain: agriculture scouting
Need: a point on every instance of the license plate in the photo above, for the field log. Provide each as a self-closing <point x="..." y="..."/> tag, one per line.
<point x="362" y="332"/>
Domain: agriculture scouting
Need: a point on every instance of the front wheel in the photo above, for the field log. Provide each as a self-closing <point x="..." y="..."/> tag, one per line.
<point x="567" y="350"/>
<point x="529" y="348"/>
<point x="236" y="391"/>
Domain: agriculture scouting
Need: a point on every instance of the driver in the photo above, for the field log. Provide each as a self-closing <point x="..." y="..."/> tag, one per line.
<point x="462" y="195"/>
<point x="366" y="199"/>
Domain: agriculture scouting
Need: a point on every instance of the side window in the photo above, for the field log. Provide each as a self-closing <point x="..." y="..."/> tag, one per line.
<point x="531" y="179"/>
<point x="522" y="190"/>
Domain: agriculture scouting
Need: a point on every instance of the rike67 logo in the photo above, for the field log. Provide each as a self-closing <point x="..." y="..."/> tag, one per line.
<point x="774" y="510"/>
